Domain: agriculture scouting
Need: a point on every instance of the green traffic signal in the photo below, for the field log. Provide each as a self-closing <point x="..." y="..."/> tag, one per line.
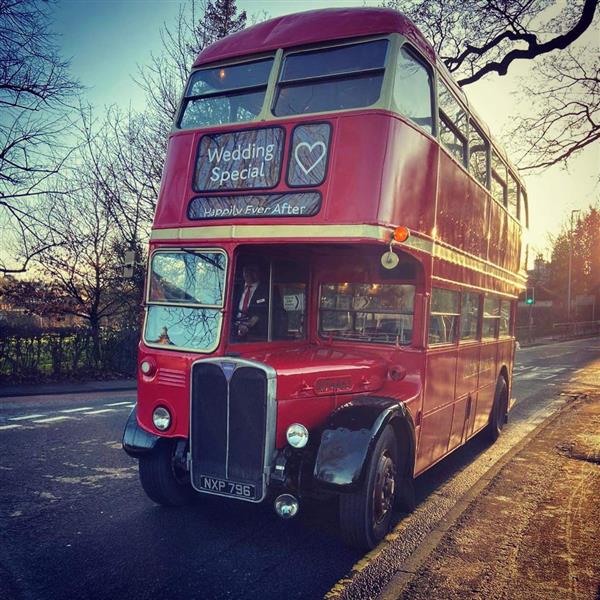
<point x="529" y="301"/>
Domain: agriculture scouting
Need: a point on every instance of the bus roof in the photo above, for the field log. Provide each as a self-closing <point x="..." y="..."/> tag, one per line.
<point x="312" y="27"/>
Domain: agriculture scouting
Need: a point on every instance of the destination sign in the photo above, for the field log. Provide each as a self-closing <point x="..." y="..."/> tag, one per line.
<point x="300" y="204"/>
<point x="247" y="159"/>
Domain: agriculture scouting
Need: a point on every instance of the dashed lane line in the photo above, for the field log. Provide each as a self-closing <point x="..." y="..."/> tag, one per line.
<point x="52" y="419"/>
<point x="74" y="413"/>
<point x="26" y="417"/>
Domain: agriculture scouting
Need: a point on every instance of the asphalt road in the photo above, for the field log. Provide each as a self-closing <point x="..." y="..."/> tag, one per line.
<point x="74" y="522"/>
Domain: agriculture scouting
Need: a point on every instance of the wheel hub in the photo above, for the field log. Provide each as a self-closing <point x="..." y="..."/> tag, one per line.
<point x="385" y="486"/>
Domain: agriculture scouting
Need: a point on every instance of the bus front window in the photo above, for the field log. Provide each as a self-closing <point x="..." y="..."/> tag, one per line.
<point x="362" y="312"/>
<point x="227" y="94"/>
<point x="338" y="78"/>
<point x="185" y="300"/>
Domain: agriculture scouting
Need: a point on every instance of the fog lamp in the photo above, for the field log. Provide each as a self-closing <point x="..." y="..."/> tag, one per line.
<point x="297" y="435"/>
<point x="161" y="418"/>
<point x="286" y="506"/>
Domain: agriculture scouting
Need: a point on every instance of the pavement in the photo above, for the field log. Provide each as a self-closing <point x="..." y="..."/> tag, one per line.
<point x="532" y="532"/>
<point x="67" y="387"/>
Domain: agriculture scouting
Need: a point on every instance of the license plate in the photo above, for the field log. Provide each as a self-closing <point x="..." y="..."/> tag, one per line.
<point x="227" y="488"/>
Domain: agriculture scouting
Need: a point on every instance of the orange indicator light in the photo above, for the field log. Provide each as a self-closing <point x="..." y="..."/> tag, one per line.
<point x="222" y="74"/>
<point x="401" y="234"/>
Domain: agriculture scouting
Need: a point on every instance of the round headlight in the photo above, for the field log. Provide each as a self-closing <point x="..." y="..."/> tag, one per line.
<point x="161" y="418"/>
<point x="297" y="435"/>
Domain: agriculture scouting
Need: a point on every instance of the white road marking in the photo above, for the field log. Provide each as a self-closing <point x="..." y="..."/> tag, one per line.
<point x="2" y="427"/>
<point x="26" y="417"/>
<point x="97" y="412"/>
<point x="52" y="419"/>
<point x="72" y="410"/>
<point x="119" y="404"/>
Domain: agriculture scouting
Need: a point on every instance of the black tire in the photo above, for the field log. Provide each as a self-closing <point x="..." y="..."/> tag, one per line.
<point x="366" y="515"/>
<point x="498" y="412"/>
<point x="163" y="482"/>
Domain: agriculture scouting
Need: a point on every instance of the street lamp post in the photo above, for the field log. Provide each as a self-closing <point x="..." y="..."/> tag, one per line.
<point x="570" y="265"/>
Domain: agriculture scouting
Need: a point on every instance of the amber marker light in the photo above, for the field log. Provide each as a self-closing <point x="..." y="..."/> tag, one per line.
<point x="401" y="234"/>
<point x="222" y="74"/>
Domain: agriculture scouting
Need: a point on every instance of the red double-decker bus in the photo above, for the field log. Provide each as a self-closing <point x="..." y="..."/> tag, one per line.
<point x="333" y="271"/>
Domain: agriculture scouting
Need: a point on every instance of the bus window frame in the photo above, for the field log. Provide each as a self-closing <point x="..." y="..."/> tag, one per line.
<point x="450" y="124"/>
<point x="381" y="103"/>
<point x="148" y="302"/>
<point x="370" y="343"/>
<point x="477" y="339"/>
<point x="237" y="60"/>
<point x="456" y="341"/>
<point x="404" y="44"/>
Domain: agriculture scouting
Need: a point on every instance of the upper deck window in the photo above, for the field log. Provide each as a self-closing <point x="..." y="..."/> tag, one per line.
<point x="227" y="94"/>
<point x="453" y="124"/>
<point x="412" y="90"/>
<point x="338" y="78"/>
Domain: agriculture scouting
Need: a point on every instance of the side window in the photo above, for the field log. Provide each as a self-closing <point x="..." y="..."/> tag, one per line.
<point x="505" y="318"/>
<point x="524" y="208"/>
<point x="478" y="155"/>
<point x="443" y="321"/>
<point x="453" y="124"/>
<point x="491" y="318"/>
<point x="513" y="196"/>
<point x="498" y="179"/>
<point x="469" y="316"/>
<point x="412" y="90"/>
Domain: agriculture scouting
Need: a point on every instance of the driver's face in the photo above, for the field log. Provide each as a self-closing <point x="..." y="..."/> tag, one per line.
<point x="250" y="275"/>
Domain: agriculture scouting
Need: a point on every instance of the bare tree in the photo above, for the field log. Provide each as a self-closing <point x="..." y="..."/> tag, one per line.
<point x="566" y="103"/>
<point x="35" y="92"/>
<point x="477" y="38"/>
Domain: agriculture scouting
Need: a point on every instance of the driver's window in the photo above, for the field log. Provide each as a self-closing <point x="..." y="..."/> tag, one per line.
<point x="269" y="300"/>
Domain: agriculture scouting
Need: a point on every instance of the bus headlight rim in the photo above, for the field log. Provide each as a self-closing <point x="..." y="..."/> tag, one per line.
<point x="297" y="435"/>
<point x="161" y="418"/>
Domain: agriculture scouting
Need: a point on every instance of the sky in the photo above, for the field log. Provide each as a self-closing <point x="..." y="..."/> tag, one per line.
<point x="107" y="40"/>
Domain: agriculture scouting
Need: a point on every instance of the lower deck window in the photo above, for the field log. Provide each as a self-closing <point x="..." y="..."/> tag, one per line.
<point x="443" y="322"/>
<point x="376" y="313"/>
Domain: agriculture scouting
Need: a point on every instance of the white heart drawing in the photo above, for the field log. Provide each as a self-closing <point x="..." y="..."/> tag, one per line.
<point x="310" y="148"/>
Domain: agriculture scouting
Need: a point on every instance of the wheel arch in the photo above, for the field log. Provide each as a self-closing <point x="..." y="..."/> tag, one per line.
<point x="349" y="438"/>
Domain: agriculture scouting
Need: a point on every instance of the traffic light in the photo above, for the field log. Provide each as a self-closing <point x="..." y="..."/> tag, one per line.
<point x="530" y="296"/>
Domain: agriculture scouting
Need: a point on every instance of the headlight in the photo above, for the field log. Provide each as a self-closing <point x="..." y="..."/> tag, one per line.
<point x="161" y="418"/>
<point x="297" y="435"/>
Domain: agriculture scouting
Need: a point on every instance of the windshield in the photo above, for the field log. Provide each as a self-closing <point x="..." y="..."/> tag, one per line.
<point x="376" y="313"/>
<point x="227" y="94"/>
<point x="185" y="299"/>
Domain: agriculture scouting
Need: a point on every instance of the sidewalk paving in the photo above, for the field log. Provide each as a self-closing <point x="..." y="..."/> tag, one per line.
<point x="68" y="387"/>
<point x="534" y="532"/>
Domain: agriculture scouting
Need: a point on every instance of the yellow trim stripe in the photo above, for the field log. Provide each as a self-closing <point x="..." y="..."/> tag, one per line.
<point x="378" y="233"/>
<point x="272" y="231"/>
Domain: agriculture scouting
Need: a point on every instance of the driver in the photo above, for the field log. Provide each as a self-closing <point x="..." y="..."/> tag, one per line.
<point x="252" y="306"/>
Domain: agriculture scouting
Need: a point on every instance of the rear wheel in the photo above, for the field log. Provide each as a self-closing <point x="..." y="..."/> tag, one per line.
<point x="366" y="515"/>
<point x="499" y="410"/>
<point x="162" y="479"/>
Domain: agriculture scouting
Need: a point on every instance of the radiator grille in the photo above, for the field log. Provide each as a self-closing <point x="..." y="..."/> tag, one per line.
<point x="229" y="429"/>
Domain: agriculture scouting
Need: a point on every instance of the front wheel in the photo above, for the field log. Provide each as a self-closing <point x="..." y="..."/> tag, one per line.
<point x="366" y="515"/>
<point x="163" y="481"/>
<point x="498" y="412"/>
